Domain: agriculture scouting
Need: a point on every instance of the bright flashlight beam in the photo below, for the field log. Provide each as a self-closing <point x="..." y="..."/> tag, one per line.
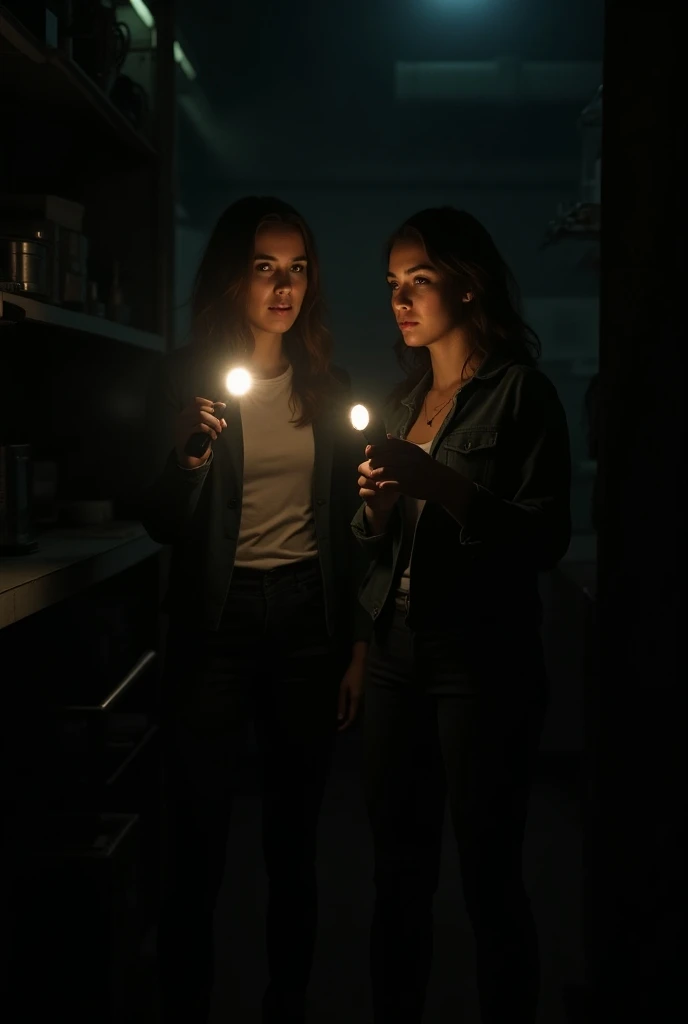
<point x="238" y="381"/>
<point x="359" y="417"/>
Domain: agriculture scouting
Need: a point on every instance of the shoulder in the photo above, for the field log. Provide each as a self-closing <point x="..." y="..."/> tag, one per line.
<point x="529" y="385"/>
<point x="534" y="402"/>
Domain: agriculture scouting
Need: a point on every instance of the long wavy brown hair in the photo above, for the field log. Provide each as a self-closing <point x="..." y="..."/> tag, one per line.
<point x="459" y="246"/>
<point x="219" y="301"/>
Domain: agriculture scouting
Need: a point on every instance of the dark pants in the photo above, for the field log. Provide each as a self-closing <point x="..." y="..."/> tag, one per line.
<point x="437" y="725"/>
<point x="270" y="661"/>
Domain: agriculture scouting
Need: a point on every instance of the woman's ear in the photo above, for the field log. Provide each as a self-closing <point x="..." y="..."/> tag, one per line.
<point x="468" y="297"/>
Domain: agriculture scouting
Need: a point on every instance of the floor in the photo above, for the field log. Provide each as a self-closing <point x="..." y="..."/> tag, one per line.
<point x="340" y="989"/>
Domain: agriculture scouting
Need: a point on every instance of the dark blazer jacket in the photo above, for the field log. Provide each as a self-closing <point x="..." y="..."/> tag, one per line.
<point x="198" y="512"/>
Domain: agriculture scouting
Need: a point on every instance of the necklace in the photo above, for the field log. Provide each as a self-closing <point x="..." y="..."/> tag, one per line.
<point x="439" y="409"/>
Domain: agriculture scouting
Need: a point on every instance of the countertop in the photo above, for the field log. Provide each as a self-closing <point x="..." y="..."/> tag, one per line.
<point x="68" y="560"/>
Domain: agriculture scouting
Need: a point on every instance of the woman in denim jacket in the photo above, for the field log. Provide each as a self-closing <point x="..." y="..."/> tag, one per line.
<point x="463" y="506"/>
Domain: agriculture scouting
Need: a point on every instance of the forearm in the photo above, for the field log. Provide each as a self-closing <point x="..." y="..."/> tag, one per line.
<point x="377" y="521"/>
<point x="370" y="541"/>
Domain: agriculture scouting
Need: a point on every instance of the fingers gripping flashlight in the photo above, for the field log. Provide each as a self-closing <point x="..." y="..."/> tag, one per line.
<point x="374" y="432"/>
<point x="237" y="382"/>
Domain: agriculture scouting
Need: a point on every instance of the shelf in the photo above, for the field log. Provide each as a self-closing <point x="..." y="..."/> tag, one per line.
<point x="36" y="72"/>
<point x="67" y="562"/>
<point x="24" y="309"/>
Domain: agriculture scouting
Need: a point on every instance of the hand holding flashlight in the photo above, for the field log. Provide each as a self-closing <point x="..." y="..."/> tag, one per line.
<point x="372" y="429"/>
<point x="197" y="425"/>
<point x="201" y="422"/>
<point x="379" y="502"/>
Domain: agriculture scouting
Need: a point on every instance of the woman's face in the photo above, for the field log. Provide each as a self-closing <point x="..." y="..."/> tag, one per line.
<point x="420" y="301"/>
<point x="279" y="277"/>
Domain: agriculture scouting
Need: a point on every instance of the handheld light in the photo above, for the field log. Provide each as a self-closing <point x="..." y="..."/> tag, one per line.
<point x="238" y="382"/>
<point x="373" y="431"/>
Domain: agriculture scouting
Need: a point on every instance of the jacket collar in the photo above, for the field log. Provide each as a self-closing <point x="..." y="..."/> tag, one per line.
<point x="494" y="364"/>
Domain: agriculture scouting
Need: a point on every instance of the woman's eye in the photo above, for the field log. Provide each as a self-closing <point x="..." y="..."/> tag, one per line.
<point x="421" y="280"/>
<point x="392" y="285"/>
<point x="263" y="266"/>
<point x="298" y="268"/>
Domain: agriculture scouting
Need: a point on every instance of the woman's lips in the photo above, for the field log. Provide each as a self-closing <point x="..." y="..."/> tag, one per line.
<point x="405" y="325"/>
<point x="280" y="310"/>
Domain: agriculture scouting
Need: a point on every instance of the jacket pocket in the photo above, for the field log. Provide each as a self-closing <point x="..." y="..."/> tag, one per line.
<point x="472" y="451"/>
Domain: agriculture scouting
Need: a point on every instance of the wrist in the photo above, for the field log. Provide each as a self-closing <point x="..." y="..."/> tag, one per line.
<point x="359" y="652"/>
<point x="376" y="520"/>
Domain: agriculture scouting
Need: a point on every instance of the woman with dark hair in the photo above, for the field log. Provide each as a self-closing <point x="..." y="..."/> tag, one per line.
<point x="263" y="614"/>
<point x="463" y="506"/>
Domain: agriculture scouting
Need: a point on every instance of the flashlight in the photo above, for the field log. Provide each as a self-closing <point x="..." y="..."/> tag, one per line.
<point x="374" y="432"/>
<point x="237" y="382"/>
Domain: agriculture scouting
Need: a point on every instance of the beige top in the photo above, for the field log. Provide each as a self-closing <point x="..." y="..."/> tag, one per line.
<point x="412" y="510"/>
<point x="277" y="525"/>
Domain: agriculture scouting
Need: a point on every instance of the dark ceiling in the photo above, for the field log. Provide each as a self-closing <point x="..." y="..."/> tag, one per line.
<point x="305" y="91"/>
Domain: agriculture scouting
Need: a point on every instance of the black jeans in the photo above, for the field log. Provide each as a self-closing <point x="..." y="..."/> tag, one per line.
<point x="438" y="723"/>
<point x="271" y="661"/>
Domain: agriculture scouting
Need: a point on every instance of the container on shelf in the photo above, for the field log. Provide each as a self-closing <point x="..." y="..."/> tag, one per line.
<point x="43" y="250"/>
<point x="25" y="263"/>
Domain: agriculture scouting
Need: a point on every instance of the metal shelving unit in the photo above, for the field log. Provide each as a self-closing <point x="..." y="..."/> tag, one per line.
<point x="87" y="598"/>
<point x="17" y="309"/>
<point x="36" y="73"/>
<point x="65" y="136"/>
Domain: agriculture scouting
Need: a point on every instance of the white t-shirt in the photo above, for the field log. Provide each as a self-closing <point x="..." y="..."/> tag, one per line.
<point x="277" y="526"/>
